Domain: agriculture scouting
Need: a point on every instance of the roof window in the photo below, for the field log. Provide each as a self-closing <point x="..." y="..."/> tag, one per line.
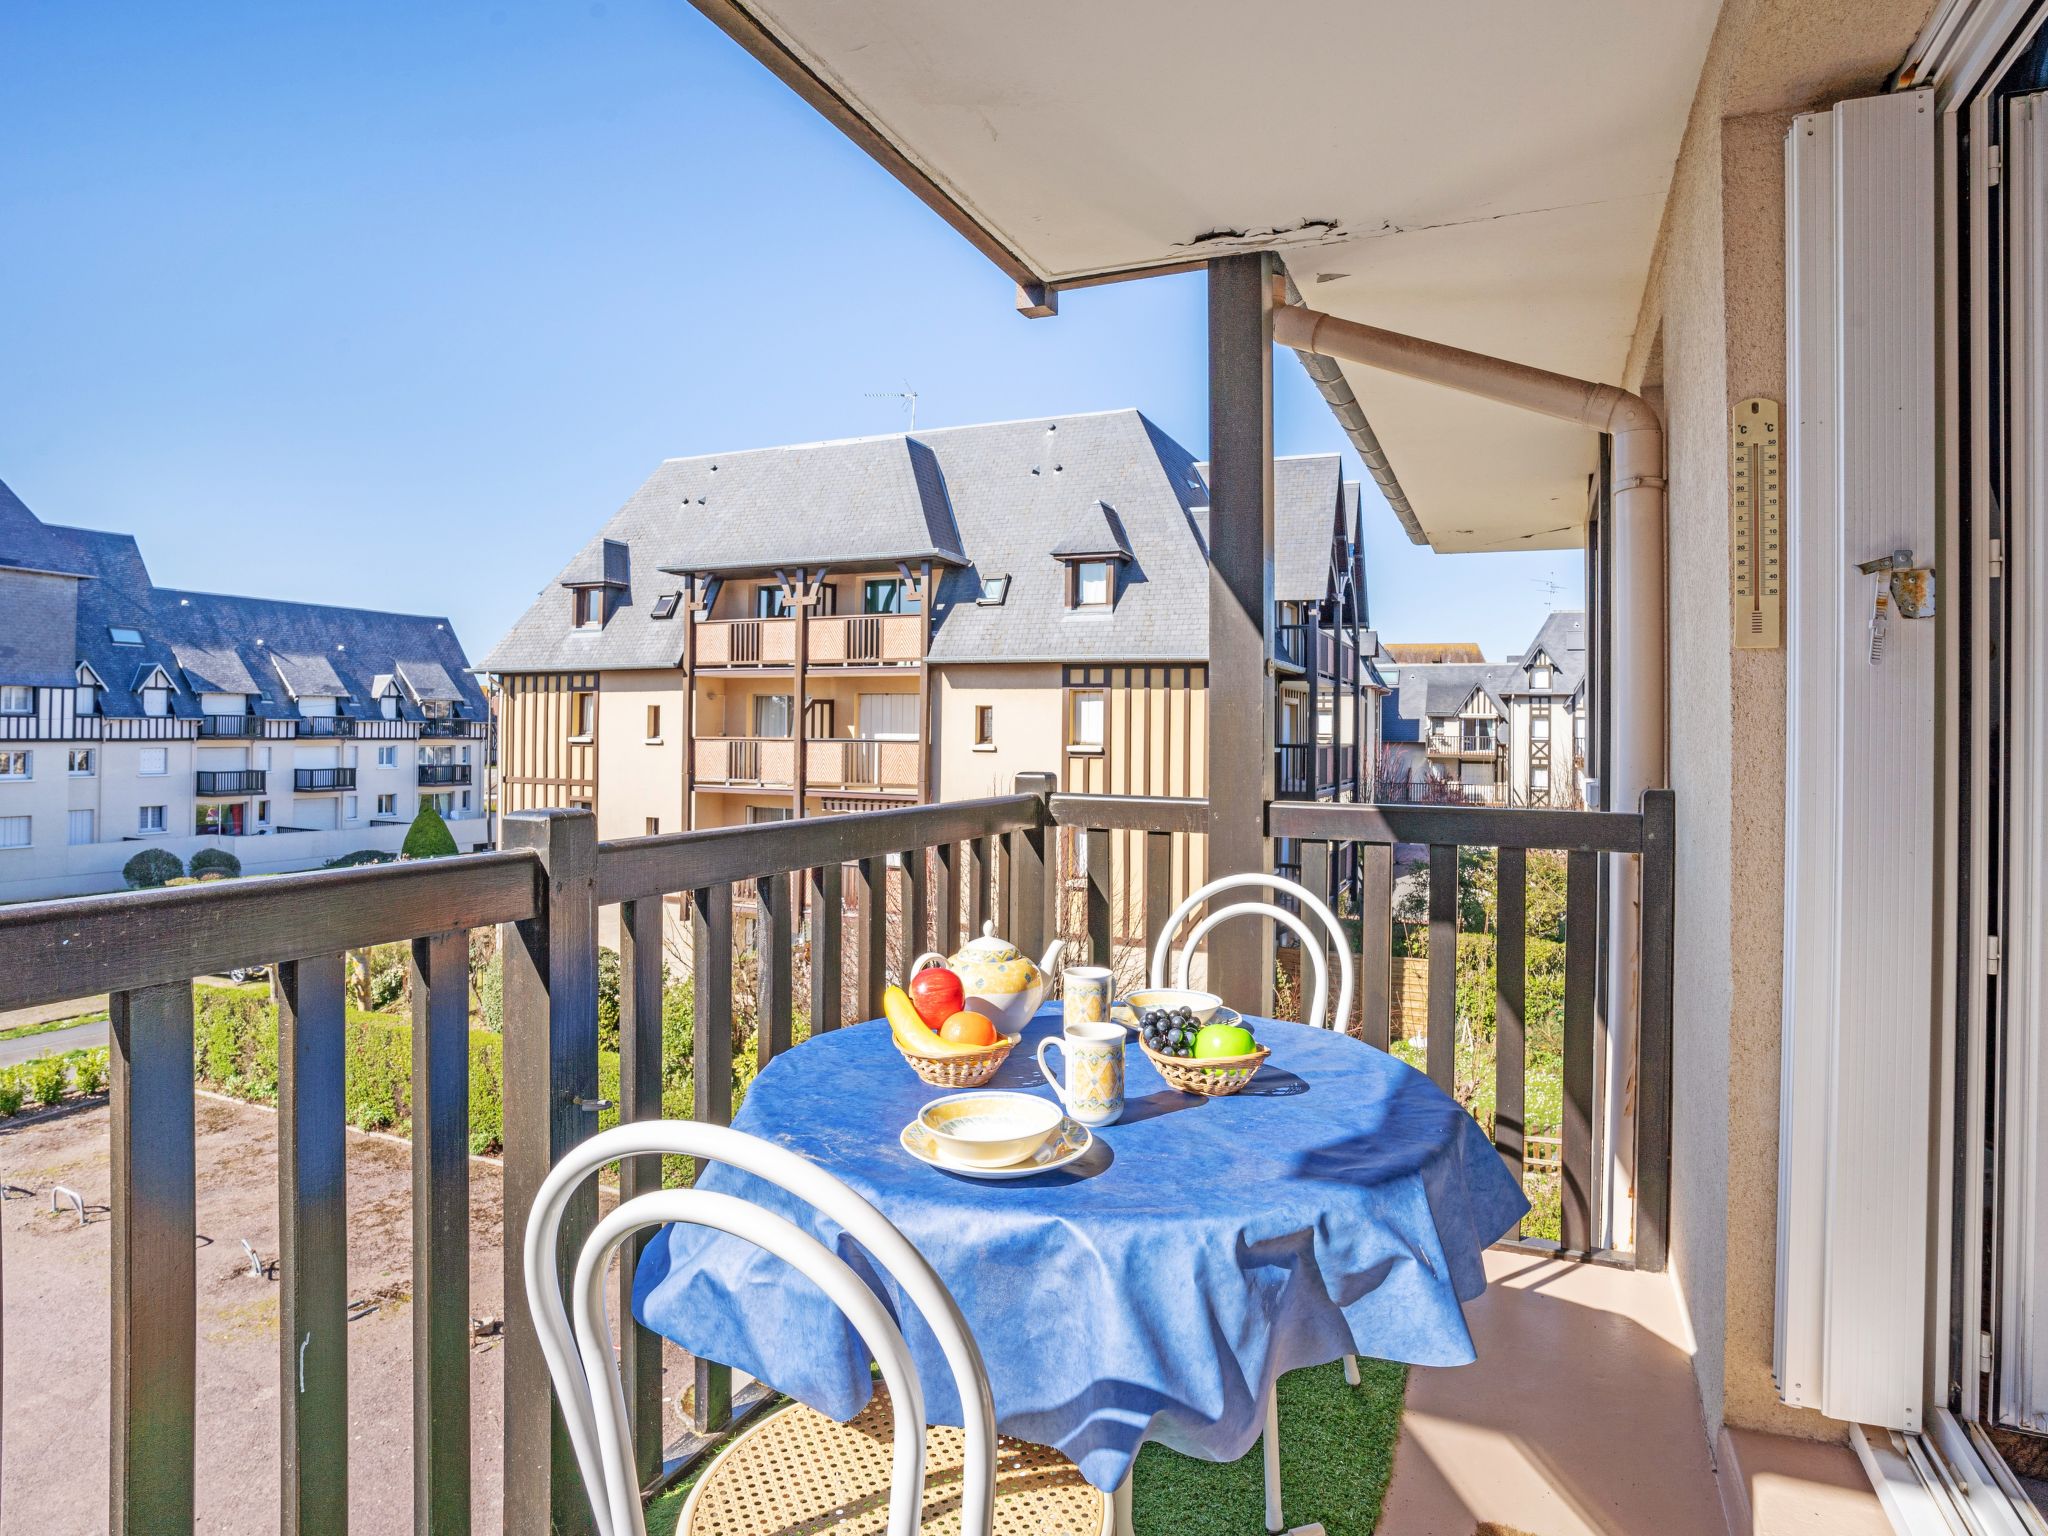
<point x="665" y="605"/>
<point x="121" y="636"/>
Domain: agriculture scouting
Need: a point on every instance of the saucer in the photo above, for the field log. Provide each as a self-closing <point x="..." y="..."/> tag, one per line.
<point x="1070" y="1141"/>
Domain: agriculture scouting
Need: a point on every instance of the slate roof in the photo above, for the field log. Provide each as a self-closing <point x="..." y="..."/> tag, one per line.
<point x="27" y="543"/>
<point x="429" y="682"/>
<point x="986" y="501"/>
<point x="1097" y="531"/>
<point x="213" y="642"/>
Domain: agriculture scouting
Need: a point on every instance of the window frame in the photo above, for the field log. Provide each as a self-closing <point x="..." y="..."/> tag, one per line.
<point x="142" y="758"/>
<point x="1540" y="677"/>
<point x="653" y="737"/>
<point x="588" y="608"/>
<point x="789" y="716"/>
<point x="1075" y="744"/>
<point x="28" y="831"/>
<point x="770" y="602"/>
<point x="92" y="762"/>
<point x="21" y="691"/>
<point x="116" y="631"/>
<point x="387" y="809"/>
<point x="892" y="585"/>
<point x="1076" y="585"/>
<point x="984" y="727"/>
<point x="582" y="714"/>
<point x="28" y="765"/>
<point x="143" y="828"/>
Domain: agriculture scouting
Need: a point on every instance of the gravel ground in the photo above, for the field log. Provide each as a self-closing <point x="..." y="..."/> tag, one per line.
<point x="53" y="1400"/>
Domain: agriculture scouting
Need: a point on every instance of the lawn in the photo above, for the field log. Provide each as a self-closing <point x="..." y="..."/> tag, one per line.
<point x="1336" y="1454"/>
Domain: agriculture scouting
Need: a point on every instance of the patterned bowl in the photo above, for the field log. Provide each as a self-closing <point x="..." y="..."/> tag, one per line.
<point x="989" y="1130"/>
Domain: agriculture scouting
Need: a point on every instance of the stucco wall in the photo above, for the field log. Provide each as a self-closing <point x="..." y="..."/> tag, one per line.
<point x="1029" y="730"/>
<point x="642" y="778"/>
<point x="1712" y="333"/>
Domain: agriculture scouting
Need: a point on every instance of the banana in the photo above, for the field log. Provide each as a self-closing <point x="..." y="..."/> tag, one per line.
<point x="910" y="1030"/>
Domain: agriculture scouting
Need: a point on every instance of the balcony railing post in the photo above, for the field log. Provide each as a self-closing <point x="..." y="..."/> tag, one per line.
<point x="152" y="1178"/>
<point x="440" y="1240"/>
<point x="550" y="1047"/>
<point x="1029" y="907"/>
<point x="1653" y="1036"/>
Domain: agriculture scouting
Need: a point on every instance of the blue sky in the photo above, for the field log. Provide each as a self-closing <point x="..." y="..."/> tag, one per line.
<point x="393" y="304"/>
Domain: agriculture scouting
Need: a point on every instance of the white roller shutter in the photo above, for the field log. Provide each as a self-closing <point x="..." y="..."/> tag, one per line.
<point x="1858" y="1020"/>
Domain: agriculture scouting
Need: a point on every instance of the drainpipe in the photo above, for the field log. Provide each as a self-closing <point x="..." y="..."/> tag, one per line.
<point x="1639" y="646"/>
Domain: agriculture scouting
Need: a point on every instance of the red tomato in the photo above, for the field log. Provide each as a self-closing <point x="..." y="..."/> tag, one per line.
<point x="936" y="994"/>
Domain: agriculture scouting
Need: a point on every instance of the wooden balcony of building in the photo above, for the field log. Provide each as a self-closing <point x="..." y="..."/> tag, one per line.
<point x="874" y="767"/>
<point x="867" y="640"/>
<point x="730" y="644"/>
<point x="744" y="762"/>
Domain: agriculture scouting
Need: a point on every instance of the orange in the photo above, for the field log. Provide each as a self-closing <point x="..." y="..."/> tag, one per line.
<point x="966" y="1028"/>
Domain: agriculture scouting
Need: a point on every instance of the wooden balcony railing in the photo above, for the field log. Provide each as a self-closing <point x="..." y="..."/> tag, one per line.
<point x="853" y="896"/>
<point x="880" y="766"/>
<point x="769" y="761"/>
<point x="867" y="640"/>
<point x="745" y="643"/>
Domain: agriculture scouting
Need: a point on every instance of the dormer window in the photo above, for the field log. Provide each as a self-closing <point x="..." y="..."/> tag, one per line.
<point x="1539" y="676"/>
<point x="16" y="699"/>
<point x="590" y="607"/>
<point x="1091" y="584"/>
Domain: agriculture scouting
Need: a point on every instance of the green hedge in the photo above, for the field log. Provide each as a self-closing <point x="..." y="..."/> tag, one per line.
<point x="236" y="1051"/>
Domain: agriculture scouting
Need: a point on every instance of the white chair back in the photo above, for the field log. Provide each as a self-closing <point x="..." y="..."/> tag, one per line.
<point x="1310" y="947"/>
<point x="585" y="1368"/>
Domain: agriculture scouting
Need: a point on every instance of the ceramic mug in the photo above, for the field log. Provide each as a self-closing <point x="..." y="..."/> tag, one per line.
<point x="1084" y="995"/>
<point x="1094" y="1089"/>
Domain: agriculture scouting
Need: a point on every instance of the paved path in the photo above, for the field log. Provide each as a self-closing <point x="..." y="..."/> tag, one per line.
<point x="42" y="1013"/>
<point x="28" y="1047"/>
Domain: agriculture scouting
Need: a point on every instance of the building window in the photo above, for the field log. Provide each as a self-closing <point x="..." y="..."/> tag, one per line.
<point x="758" y="814"/>
<point x="1539" y="781"/>
<point x="219" y="820"/>
<point x="984" y="725"/>
<point x="262" y="811"/>
<point x="1085" y="710"/>
<point x="654" y="826"/>
<point x="81" y="828"/>
<point x="772" y="714"/>
<point x="1091" y="584"/>
<point x="156" y="701"/>
<point x="80" y="764"/>
<point x="153" y="761"/>
<point x="16" y="765"/>
<point x="582" y="715"/>
<point x="654" y="722"/>
<point x="1539" y="725"/>
<point x="590" y="607"/>
<point x="351" y="808"/>
<point x="881" y="595"/>
<point x="387" y="805"/>
<point x="387" y="757"/>
<point x="1539" y="678"/>
<point x="121" y="636"/>
<point x="14" y="831"/>
<point x="665" y="605"/>
<point x="465" y="802"/>
<point x="149" y="818"/>
<point x="17" y="700"/>
<point x="771" y="603"/>
<point x="85" y="699"/>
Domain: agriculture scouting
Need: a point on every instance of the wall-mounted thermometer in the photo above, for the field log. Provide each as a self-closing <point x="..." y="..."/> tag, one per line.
<point x="1755" y="514"/>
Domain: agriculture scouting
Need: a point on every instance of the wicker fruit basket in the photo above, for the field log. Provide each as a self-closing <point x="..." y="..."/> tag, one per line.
<point x="969" y="1070"/>
<point x="1213" y="1077"/>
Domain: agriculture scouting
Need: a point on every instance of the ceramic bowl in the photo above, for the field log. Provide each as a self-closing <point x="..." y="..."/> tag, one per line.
<point x="1202" y="1005"/>
<point x="989" y="1130"/>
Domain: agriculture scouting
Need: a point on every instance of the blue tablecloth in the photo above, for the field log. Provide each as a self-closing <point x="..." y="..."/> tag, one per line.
<point x="1152" y="1290"/>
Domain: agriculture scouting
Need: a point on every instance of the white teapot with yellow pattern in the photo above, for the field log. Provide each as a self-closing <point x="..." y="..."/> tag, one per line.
<point x="999" y="979"/>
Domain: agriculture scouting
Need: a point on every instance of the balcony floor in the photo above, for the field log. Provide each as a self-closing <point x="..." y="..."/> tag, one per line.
<point x="1580" y="1418"/>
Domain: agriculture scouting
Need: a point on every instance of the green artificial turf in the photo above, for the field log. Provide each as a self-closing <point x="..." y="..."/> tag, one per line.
<point x="1336" y="1454"/>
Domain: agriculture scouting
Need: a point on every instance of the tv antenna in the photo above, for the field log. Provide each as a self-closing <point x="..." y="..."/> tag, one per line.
<point x="1550" y="584"/>
<point x="906" y="394"/>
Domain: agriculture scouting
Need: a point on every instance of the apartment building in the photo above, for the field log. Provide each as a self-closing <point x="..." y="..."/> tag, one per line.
<point x="136" y="716"/>
<point x="834" y="626"/>
<point x="1512" y="733"/>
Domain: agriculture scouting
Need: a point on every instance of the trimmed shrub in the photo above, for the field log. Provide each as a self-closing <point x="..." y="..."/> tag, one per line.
<point x="214" y="861"/>
<point x="360" y="856"/>
<point x="428" y="837"/>
<point x="151" y="868"/>
<point x="47" y="1077"/>
<point x="89" y="1071"/>
<point x="11" y="1093"/>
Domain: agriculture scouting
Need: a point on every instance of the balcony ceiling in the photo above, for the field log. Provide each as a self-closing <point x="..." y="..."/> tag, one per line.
<point x="1489" y="174"/>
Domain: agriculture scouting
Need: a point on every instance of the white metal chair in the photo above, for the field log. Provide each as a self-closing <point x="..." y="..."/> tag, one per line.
<point x="586" y="1373"/>
<point x="1310" y="948"/>
<point x="1312" y="952"/>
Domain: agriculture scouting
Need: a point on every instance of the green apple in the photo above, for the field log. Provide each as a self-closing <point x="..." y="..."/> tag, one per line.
<point x="1224" y="1040"/>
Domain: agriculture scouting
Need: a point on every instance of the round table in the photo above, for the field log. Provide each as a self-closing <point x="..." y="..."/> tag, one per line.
<point x="1154" y="1289"/>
